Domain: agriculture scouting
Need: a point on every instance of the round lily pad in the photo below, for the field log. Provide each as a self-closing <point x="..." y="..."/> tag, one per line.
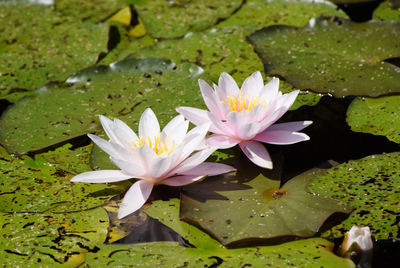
<point x="388" y="10"/>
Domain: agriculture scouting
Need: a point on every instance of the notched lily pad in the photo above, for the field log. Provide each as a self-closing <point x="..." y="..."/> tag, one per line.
<point x="333" y="56"/>
<point x="388" y="10"/>
<point x="262" y="212"/>
<point x="378" y="116"/>
<point x="124" y="89"/>
<point x="170" y="19"/>
<point x="372" y="186"/>
<point x="40" y="45"/>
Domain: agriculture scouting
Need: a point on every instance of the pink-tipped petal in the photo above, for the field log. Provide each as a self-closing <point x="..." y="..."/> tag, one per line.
<point x="244" y="129"/>
<point x="290" y="126"/>
<point x="257" y="153"/>
<point x="196" y="116"/>
<point x="193" y="161"/>
<point x="209" y="169"/>
<point x="221" y="141"/>
<point x="226" y="86"/>
<point x="272" y="118"/>
<point x="181" y="180"/>
<point x="135" y="170"/>
<point x="101" y="176"/>
<point x="135" y="198"/>
<point x="148" y="124"/>
<point x="211" y="99"/>
<point x="281" y="137"/>
<point x="219" y="127"/>
<point x="253" y="85"/>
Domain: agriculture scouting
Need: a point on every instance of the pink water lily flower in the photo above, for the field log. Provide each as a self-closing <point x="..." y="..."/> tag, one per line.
<point x="246" y="116"/>
<point x="153" y="157"/>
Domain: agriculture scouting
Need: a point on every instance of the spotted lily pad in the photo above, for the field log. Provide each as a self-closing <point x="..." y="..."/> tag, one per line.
<point x="333" y="56"/>
<point x="40" y="45"/>
<point x="49" y="239"/>
<point x="171" y="19"/>
<point x="262" y="212"/>
<point x="388" y="10"/>
<point x="58" y="113"/>
<point x="378" y="116"/>
<point x="35" y="185"/>
<point x="372" y="186"/>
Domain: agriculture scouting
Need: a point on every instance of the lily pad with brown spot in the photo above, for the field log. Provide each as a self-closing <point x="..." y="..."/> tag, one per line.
<point x="333" y="56"/>
<point x="262" y="212"/>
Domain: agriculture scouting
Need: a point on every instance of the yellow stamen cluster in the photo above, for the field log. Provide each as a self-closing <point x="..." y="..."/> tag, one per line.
<point x="157" y="145"/>
<point x="240" y="103"/>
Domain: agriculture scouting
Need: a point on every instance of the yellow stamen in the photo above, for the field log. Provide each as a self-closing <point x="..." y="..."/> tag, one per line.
<point x="240" y="102"/>
<point x="157" y="145"/>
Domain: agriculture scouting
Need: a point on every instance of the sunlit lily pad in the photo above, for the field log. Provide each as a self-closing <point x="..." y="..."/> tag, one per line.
<point x="38" y="45"/>
<point x="372" y="186"/>
<point x="333" y="56"/>
<point x="170" y="19"/>
<point x="378" y="116"/>
<point x="50" y="240"/>
<point x="388" y="10"/>
<point x="58" y="113"/>
<point x="262" y="212"/>
<point x="35" y="185"/>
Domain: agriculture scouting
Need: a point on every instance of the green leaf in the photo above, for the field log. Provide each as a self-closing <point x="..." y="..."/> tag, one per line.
<point x="281" y="12"/>
<point x="388" y="10"/>
<point x="59" y="113"/>
<point x="372" y="186"/>
<point x="40" y="45"/>
<point x="262" y="212"/>
<point x="49" y="239"/>
<point x="171" y="19"/>
<point x="321" y="56"/>
<point x="378" y="116"/>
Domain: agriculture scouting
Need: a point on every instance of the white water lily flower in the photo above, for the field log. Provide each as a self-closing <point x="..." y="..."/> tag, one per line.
<point x="153" y="157"/>
<point x="246" y="116"/>
<point x="357" y="239"/>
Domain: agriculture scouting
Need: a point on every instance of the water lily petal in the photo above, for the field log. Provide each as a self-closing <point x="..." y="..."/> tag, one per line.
<point x="193" y="139"/>
<point x="288" y="100"/>
<point x="196" y="116"/>
<point x="174" y="132"/>
<point x="211" y="100"/>
<point x="257" y="153"/>
<point x="134" y="169"/>
<point x="244" y="129"/>
<point x="272" y="118"/>
<point x="194" y="160"/>
<point x="108" y="126"/>
<point x="182" y="180"/>
<point x="135" y="198"/>
<point x="209" y="169"/>
<point x="160" y="167"/>
<point x="253" y="85"/>
<point x="221" y="141"/>
<point x="101" y="176"/>
<point x="281" y="137"/>
<point x="291" y="126"/>
<point x="104" y="145"/>
<point x="129" y="133"/>
<point x="148" y="124"/>
<point x="226" y="86"/>
<point x="147" y="156"/>
<point x="218" y="126"/>
<point x="270" y="90"/>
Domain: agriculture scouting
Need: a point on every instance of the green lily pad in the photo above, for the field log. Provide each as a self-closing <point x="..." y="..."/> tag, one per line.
<point x="321" y="56"/>
<point x="171" y="19"/>
<point x="372" y="186"/>
<point x="35" y="185"/>
<point x="50" y="240"/>
<point x="262" y="212"/>
<point x="378" y="116"/>
<point x="59" y="113"/>
<point x="388" y="10"/>
<point x="40" y="45"/>
<point x="281" y="12"/>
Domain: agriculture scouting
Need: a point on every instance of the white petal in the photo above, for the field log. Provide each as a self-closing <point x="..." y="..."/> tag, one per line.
<point x="193" y="139"/>
<point x="181" y="180"/>
<point x="211" y="100"/>
<point x="196" y="116"/>
<point x="193" y="161"/>
<point x="160" y="167"/>
<point x="253" y="85"/>
<point x="226" y="86"/>
<point x="104" y="145"/>
<point x="272" y="118"/>
<point x="219" y="127"/>
<point x="148" y="124"/>
<point x="281" y="137"/>
<point x="221" y="141"/>
<point x="135" y="198"/>
<point x="135" y="170"/>
<point x="270" y="90"/>
<point x="257" y="153"/>
<point x="101" y="176"/>
<point x="209" y="169"/>
<point x="291" y="126"/>
<point x="108" y="126"/>
<point x="244" y="129"/>
<point x="288" y="100"/>
<point x="129" y="133"/>
<point x="175" y="131"/>
<point x="147" y="156"/>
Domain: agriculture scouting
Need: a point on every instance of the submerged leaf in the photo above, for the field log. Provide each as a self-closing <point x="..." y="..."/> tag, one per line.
<point x="322" y="57"/>
<point x="372" y="186"/>
<point x="262" y="212"/>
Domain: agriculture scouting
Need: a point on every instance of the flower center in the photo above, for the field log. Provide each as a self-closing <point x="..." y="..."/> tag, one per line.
<point x="240" y="102"/>
<point x="157" y="145"/>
